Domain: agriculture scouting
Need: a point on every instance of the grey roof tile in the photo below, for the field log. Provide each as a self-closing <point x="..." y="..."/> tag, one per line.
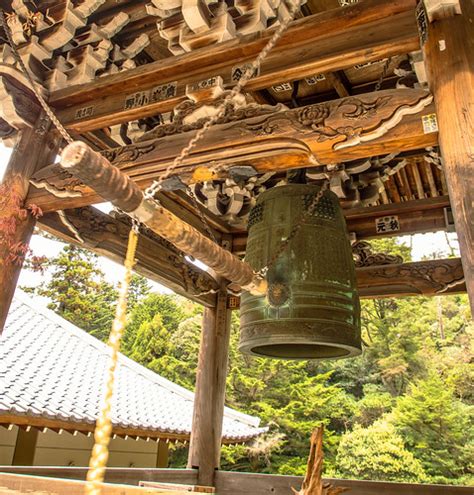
<point x="52" y="369"/>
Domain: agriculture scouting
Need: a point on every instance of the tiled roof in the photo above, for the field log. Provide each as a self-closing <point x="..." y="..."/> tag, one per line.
<point x="52" y="370"/>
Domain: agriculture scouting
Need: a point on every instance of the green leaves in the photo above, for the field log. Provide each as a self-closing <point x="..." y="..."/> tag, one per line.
<point x="377" y="453"/>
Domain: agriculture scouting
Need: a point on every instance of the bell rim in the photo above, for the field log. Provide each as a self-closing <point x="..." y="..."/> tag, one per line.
<point x="248" y="346"/>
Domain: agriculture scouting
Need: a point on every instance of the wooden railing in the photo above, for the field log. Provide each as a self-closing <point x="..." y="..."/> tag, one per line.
<point x="231" y="483"/>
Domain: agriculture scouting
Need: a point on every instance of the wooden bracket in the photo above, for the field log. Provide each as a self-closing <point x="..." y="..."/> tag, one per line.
<point x="440" y="9"/>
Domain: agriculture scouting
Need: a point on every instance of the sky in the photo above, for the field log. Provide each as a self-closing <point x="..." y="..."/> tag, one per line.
<point x="423" y="246"/>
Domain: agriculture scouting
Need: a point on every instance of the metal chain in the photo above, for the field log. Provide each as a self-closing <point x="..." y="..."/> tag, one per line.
<point x="315" y="201"/>
<point x="294" y="231"/>
<point x="42" y="101"/>
<point x="201" y="214"/>
<point x="236" y="90"/>
<point x="385" y="68"/>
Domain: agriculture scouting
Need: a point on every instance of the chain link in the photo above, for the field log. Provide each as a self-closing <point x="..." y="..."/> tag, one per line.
<point x="201" y="214"/>
<point x="295" y="229"/>
<point x="235" y="91"/>
<point x="42" y="101"/>
<point x="385" y="68"/>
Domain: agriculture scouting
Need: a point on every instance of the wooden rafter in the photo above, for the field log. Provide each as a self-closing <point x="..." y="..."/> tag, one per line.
<point x="321" y="43"/>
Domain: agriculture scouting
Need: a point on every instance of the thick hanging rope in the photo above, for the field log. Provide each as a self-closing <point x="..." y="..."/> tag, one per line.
<point x="103" y="429"/>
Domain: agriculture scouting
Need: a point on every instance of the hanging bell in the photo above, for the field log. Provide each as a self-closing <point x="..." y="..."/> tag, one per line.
<point x="311" y="309"/>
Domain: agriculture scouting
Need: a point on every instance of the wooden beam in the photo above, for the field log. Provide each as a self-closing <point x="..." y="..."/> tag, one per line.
<point x="234" y="483"/>
<point x="325" y="42"/>
<point x="128" y="476"/>
<point x="204" y="448"/>
<point x="83" y="427"/>
<point x="413" y="217"/>
<point x="34" y="148"/>
<point x="14" y="483"/>
<point x="157" y="259"/>
<point x="230" y="483"/>
<point x="449" y="55"/>
<point x="25" y="447"/>
<point x="160" y="262"/>
<point x="421" y="278"/>
<point x="270" y="139"/>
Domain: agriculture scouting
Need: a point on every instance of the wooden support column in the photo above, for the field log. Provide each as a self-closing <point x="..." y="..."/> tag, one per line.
<point x="205" y="446"/>
<point x="34" y="149"/>
<point x="162" y="454"/>
<point x="25" y="447"/>
<point x="449" y="55"/>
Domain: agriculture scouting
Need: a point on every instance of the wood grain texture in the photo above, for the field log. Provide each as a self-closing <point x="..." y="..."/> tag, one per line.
<point x="228" y="483"/>
<point x="156" y="258"/>
<point x="34" y="148"/>
<point x="332" y="132"/>
<point x="421" y="278"/>
<point x="204" y="448"/>
<point x="231" y="483"/>
<point x="321" y="43"/>
<point x="16" y="484"/>
<point x="449" y="55"/>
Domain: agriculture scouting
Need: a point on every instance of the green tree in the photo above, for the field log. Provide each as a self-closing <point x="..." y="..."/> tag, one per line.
<point x="437" y="427"/>
<point x="79" y="292"/>
<point x="167" y="307"/>
<point x="377" y="453"/>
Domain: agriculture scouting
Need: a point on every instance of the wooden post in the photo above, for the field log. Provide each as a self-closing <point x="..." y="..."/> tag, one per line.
<point x="162" y="454"/>
<point x="449" y="55"/>
<point x="205" y="445"/>
<point x="34" y="148"/>
<point x="25" y="447"/>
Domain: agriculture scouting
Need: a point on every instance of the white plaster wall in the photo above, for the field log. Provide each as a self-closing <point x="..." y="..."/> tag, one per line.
<point x="53" y="449"/>
<point x="7" y="445"/>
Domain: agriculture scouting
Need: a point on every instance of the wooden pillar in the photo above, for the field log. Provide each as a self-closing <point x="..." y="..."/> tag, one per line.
<point x="33" y="149"/>
<point x="447" y="35"/>
<point x="162" y="454"/>
<point x="205" y="445"/>
<point x="24" y="454"/>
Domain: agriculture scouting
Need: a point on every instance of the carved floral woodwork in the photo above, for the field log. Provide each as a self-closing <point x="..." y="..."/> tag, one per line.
<point x="190" y="24"/>
<point x="18" y="107"/>
<point x="269" y="139"/>
<point x="420" y="278"/>
<point x="190" y="115"/>
<point x="364" y="256"/>
<point x="108" y="235"/>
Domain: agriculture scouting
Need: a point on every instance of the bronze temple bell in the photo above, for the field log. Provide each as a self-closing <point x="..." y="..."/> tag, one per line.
<point x="312" y="309"/>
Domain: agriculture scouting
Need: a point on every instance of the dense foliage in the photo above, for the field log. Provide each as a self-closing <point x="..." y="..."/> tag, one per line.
<point x="402" y="411"/>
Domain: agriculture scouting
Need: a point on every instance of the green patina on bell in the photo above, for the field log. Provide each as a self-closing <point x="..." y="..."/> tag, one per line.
<point x="312" y="309"/>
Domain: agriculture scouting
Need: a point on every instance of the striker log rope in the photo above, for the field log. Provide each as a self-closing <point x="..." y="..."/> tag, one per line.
<point x="103" y="429"/>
